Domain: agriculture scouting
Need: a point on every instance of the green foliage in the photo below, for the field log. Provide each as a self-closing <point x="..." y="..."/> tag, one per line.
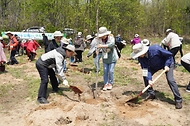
<point x="127" y="17"/>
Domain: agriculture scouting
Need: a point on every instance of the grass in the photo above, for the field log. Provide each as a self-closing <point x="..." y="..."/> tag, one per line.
<point x="5" y="88"/>
<point x="122" y="77"/>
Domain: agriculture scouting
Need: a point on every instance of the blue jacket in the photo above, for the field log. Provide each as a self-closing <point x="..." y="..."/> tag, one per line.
<point x="155" y="59"/>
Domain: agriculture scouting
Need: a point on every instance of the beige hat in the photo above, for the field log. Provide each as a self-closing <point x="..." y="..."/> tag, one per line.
<point x="138" y="50"/>
<point x="1" y="38"/>
<point x="57" y="33"/>
<point x="145" y="42"/>
<point x="9" y="32"/>
<point x="65" y="40"/>
<point x="89" y="37"/>
<point x="103" y="31"/>
<point x="71" y="48"/>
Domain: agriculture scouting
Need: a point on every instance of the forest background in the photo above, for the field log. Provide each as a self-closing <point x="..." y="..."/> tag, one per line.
<point x="146" y="17"/>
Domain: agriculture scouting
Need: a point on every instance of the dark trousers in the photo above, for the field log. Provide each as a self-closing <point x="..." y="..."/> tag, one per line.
<point x="32" y="56"/>
<point x="180" y="50"/>
<point x="44" y="71"/>
<point x="78" y="57"/>
<point x="12" y="57"/>
<point x="171" y="82"/>
<point x="186" y="66"/>
<point x="174" y="52"/>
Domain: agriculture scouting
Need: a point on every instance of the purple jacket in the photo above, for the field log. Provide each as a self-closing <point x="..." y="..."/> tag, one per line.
<point x="135" y="41"/>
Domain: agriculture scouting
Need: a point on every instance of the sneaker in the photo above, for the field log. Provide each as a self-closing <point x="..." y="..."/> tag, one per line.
<point x="178" y="105"/>
<point x="188" y="88"/>
<point x="105" y="87"/>
<point x="109" y="86"/>
<point x="42" y="100"/>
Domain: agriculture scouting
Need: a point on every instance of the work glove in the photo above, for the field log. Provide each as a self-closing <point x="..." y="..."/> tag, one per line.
<point x="150" y="83"/>
<point x="66" y="83"/>
<point x="166" y="68"/>
<point x="11" y="47"/>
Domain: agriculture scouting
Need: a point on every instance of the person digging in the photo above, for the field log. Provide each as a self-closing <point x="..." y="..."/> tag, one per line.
<point x="153" y="59"/>
<point x="53" y="59"/>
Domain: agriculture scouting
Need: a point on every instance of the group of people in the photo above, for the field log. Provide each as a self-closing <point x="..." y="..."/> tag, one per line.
<point x="152" y="58"/>
<point x="15" y="46"/>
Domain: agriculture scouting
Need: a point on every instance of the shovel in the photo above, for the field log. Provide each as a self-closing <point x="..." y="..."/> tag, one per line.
<point x="135" y="99"/>
<point x="73" y="88"/>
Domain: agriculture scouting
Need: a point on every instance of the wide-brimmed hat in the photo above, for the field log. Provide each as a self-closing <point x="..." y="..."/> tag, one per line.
<point x="1" y="38"/>
<point x="89" y="37"/>
<point x="145" y="42"/>
<point x="138" y="50"/>
<point x="57" y="33"/>
<point x="103" y="31"/>
<point x="79" y="33"/>
<point x="136" y="35"/>
<point x="65" y="40"/>
<point x="9" y="32"/>
<point x="168" y="30"/>
<point x="71" y="48"/>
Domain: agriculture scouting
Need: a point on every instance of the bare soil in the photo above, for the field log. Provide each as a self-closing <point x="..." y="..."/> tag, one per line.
<point x="17" y="108"/>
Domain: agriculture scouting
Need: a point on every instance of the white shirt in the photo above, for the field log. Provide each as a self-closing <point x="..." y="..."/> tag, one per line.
<point x="186" y="58"/>
<point x="172" y="40"/>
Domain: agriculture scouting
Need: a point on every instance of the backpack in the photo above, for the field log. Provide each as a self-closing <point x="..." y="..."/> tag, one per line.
<point x="78" y="41"/>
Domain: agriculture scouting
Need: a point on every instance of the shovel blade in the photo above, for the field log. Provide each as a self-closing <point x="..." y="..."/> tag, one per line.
<point x="75" y="89"/>
<point x="135" y="99"/>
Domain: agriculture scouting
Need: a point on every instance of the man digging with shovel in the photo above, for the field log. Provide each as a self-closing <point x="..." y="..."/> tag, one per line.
<point x="153" y="59"/>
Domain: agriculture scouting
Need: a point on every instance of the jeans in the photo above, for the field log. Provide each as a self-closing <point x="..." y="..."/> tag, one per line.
<point x="109" y="73"/>
<point x="97" y="61"/>
<point x="65" y="66"/>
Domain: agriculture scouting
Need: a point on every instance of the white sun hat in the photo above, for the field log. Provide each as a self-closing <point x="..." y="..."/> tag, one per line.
<point x="103" y="31"/>
<point x="9" y="32"/>
<point x="145" y="42"/>
<point x="136" y="35"/>
<point x="65" y="40"/>
<point x="138" y="50"/>
<point x="89" y="37"/>
<point x="79" y="33"/>
<point x="71" y="48"/>
<point x="168" y="30"/>
<point x="1" y="38"/>
<point x="57" y="33"/>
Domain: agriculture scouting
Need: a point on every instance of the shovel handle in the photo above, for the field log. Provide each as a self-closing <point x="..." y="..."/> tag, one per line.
<point x="146" y="88"/>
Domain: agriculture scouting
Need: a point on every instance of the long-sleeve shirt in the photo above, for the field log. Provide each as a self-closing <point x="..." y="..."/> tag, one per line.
<point x="52" y="45"/>
<point x="112" y="55"/>
<point x="136" y="40"/>
<point x="54" y="59"/>
<point x="155" y="59"/>
<point x="172" y="40"/>
<point x="13" y="42"/>
<point x="186" y="58"/>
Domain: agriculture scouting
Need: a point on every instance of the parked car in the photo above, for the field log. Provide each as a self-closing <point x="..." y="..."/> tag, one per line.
<point x="35" y="29"/>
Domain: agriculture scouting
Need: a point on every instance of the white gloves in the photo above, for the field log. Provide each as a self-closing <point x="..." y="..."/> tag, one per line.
<point x="11" y="47"/>
<point x="166" y="68"/>
<point x="66" y="83"/>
